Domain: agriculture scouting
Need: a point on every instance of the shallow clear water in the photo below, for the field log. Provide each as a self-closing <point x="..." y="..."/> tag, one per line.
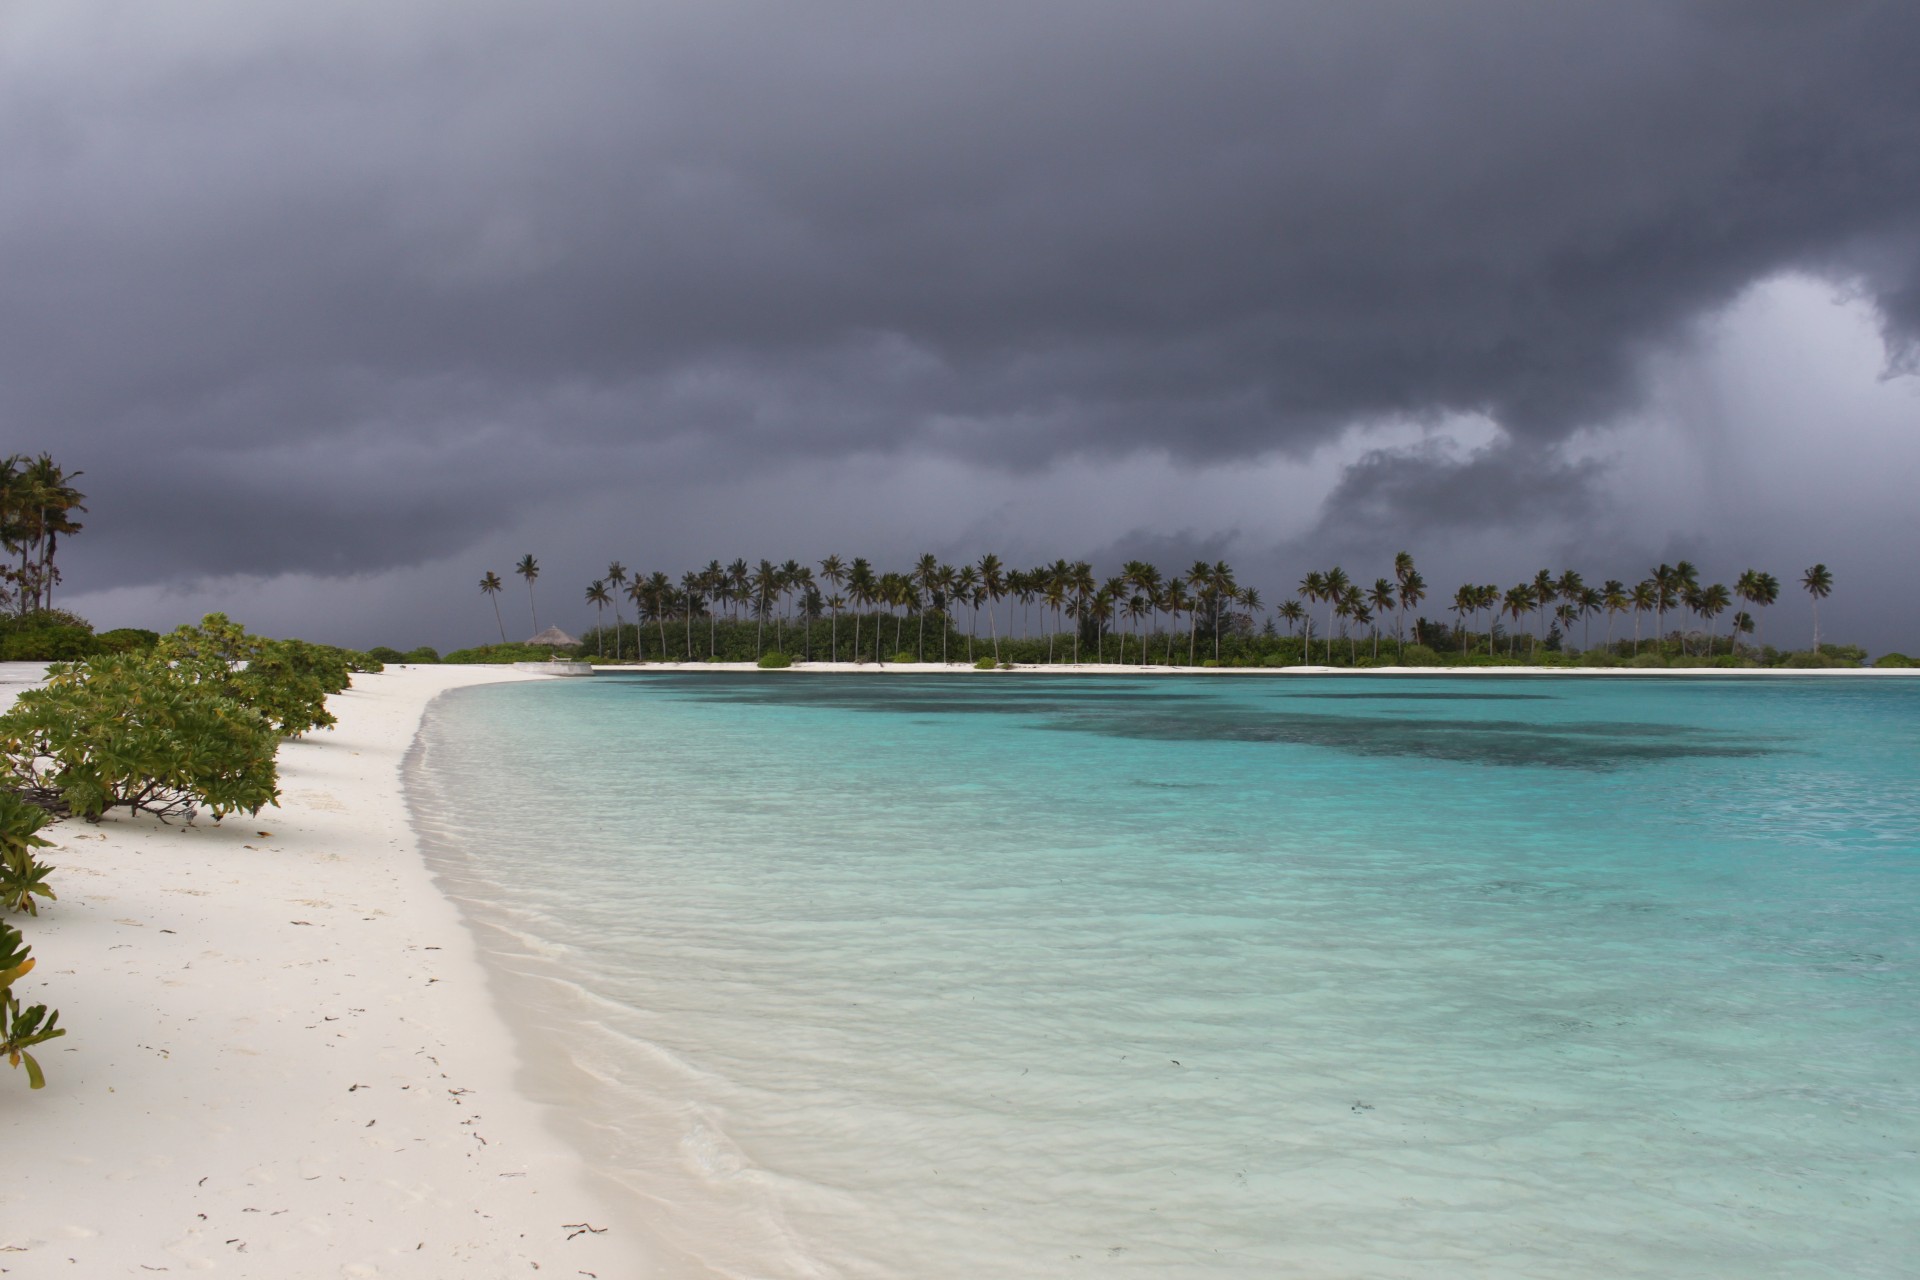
<point x="1034" y="976"/>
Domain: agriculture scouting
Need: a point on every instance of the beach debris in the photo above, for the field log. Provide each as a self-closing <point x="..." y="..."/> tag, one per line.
<point x="581" y="1228"/>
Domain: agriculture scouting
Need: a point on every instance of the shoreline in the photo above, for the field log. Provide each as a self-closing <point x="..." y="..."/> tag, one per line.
<point x="285" y="1054"/>
<point x="1116" y="669"/>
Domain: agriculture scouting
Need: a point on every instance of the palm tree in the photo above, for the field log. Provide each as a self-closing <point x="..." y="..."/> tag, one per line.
<point x="1666" y="584"/>
<point x="993" y="584"/>
<point x="926" y="576"/>
<point x="1292" y="612"/>
<point x="1335" y="591"/>
<point x="1220" y="580"/>
<point x="1713" y="602"/>
<point x="1402" y="570"/>
<point x="491" y="587"/>
<point x="714" y="581"/>
<point x="637" y="592"/>
<point x="1413" y="589"/>
<point x="1646" y="598"/>
<point x="834" y="573"/>
<point x="660" y="600"/>
<point x="616" y="579"/>
<point x="1613" y="598"/>
<point x="1465" y="600"/>
<point x="691" y="584"/>
<point x="529" y="569"/>
<point x="597" y="597"/>
<point x="861" y="589"/>
<point x="1312" y="589"/>
<point x="1382" y="598"/>
<point x="1742" y="626"/>
<point x="1818" y="582"/>
<point x="1520" y="601"/>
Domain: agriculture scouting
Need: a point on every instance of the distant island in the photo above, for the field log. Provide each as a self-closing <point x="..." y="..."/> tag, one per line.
<point x="986" y="614"/>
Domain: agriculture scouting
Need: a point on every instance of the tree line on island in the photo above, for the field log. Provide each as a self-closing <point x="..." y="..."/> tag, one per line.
<point x="1200" y="616"/>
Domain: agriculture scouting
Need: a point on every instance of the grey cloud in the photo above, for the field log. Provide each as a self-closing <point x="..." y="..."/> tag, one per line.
<point x="326" y="276"/>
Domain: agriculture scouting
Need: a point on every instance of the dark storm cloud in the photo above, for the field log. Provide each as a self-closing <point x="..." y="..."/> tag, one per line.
<point x="352" y="263"/>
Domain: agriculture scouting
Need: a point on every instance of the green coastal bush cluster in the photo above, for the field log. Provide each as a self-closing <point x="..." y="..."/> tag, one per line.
<point x="54" y="635"/>
<point x="189" y="722"/>
<point x="23" y="877"/>
<point x="193" y="723"/>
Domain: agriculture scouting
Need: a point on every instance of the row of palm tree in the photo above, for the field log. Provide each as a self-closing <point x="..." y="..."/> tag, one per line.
<point x="1130" y="605"/>
<point x="37" y="504"/>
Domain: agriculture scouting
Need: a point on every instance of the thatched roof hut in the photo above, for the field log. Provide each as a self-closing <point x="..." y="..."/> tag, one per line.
<point x="554" y="637"/>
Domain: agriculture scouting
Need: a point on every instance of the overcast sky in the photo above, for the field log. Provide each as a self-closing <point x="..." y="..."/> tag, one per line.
<point x="341" y="305"/>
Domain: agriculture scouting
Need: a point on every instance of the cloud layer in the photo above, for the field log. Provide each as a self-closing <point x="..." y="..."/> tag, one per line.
<point x="348" y="289"/>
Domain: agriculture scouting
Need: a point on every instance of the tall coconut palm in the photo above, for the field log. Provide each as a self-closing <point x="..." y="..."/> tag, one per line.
<point x="598" y="598"/>
<point x="715" y="582"/>
<point x="637" y="593"/>
<point x="862" y="587"/>
<point x="616" y="579"/>
<point x="1818" y="582"/>
<point x="1292" y="612"/>
<point x="926" y="576"/>
<point x="1383" y="598"/>
<point x="1220" y="581"/>
<point x="1402" y="570"/>
<point x="1312" y="589"/>
<point x="834" y="572"/>
<point x="1713" y="602"/>
<point x="1646" y="599"/>
<point x="1080" y="581"/>
<point x="529" y="569"/>
<point x="1613" y="598"/>
<point x="1465" y="599"/>
<point x="1666" y="593"/>
<point x="692" y="583"/>
<point x="993" y="585"/>
<point x="1413" y="589"/>
<point x="660" y="603"/>
<point x="1335" y="591"/>
<point x="1520" y="601"/>
<point x="491" y="586"/>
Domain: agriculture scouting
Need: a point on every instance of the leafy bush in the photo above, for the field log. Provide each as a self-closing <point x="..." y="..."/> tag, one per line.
<point x="427" y="655"/>
<point x="126" y="640"/>
<point x="775" y="661"/>
<point x="903" y="656"/>
<point x="1419" y="655"/>
<point x="1895" y="660"/>
<point x="131" y="731"/>
<point x="287" y="681"/>
<point x="21" y="1029"/>
<point x="46" y="635"/>
<point x="381" y="653"/>
<point x="1647" y="660"/>
<point x="21" y="875"/>
<point x="985" y="664"/>
<point x="489" y="653"/>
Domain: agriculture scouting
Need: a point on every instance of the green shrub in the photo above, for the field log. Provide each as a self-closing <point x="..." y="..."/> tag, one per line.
<point x="21" y="875"/>
<point x="903" y="656"/>
<point x="20" y="1029"/>
<point x="487" y="653"/>
<point x="426" y="655"/>
<point x="1895" y="660"/>
<point x="1647" y="660"/>
<point x="985" y="664"/>
<point x="126" y="640"/>
<point x="1419" y="655"/>
<point x="38" y="637"/>
<point x="774" y="661"/>
<point x="381" y="653"/>
<point x="287" y="681"/>
<point x="131" y="731"/>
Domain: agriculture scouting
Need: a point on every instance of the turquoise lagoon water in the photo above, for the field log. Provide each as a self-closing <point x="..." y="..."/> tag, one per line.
<point x="855" y="976"/>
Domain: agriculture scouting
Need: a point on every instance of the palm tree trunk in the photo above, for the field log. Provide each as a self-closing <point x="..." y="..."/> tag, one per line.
<point x="501" y="622"/>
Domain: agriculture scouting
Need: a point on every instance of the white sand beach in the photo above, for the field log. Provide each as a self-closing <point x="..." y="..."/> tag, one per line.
<point x="283" y="1059"/>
